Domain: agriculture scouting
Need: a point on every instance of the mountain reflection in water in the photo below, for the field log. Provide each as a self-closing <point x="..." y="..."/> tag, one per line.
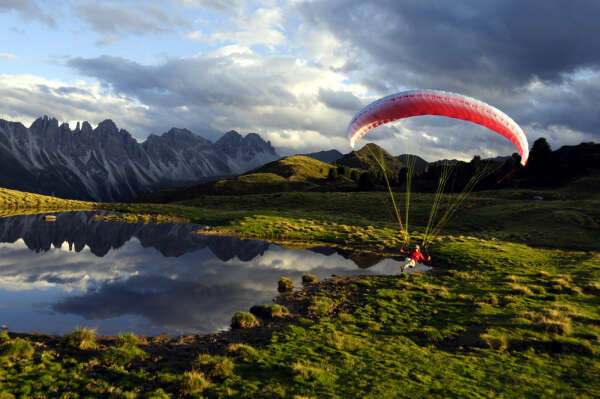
<point x="145" y="278"/>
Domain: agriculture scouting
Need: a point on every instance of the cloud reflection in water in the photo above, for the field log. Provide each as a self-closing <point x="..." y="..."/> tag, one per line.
<point x="147" y="279"/>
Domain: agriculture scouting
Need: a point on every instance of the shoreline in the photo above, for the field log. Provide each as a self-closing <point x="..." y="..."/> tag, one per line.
<point x="184" y="345"/>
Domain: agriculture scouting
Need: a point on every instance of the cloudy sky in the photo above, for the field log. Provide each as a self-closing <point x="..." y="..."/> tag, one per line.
<point x="297" y="71"/>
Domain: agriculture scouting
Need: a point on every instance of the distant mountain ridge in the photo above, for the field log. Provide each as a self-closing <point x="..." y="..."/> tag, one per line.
<point x="325" y="156"/>
<point x="293" y="173"/>
<point x="108" y="164"/>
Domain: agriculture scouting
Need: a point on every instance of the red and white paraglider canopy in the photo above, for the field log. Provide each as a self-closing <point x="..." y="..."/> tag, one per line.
<point x="436" y="102"/>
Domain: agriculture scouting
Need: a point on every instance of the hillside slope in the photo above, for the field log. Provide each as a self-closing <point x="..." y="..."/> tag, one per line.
<point x="296" y="168"/>
<point x="23" y="202"/>
<point x="367" y="157"/>
<point x="293" y="173"/>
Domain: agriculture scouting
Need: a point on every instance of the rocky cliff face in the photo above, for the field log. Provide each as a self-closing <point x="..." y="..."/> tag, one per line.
<point x="108" y="164"/>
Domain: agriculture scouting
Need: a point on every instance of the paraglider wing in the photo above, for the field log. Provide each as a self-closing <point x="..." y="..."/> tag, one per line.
<point x="436" y="102"/>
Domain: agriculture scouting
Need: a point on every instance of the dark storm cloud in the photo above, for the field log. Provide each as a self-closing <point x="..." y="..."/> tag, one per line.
<point x="185" y="305"/>
<point x="491" y="43"/>
<point x="343" y="100"/>
<point x="28" y="9"/>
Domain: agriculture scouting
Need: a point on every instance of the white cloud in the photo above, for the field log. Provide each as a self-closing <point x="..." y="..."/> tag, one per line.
<point x="27" y="97"/>
<point x="262" y="26"/>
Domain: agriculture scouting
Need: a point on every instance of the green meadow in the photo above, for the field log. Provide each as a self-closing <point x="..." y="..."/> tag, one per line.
<point x="512" y="309"/>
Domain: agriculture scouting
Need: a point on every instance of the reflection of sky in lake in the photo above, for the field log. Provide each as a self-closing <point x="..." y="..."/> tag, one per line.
<point x="147" y="279"/>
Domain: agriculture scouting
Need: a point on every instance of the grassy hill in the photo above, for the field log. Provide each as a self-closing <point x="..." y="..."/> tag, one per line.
<point x="420" y="163"/>
<point x="296" y="168"/>
<point x="365" y="159"/>
<point x="293" y="173"/>
<point x="12" y="201"/>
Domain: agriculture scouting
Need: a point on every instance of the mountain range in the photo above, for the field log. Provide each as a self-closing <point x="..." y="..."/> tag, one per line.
<point x="108" y="164"/>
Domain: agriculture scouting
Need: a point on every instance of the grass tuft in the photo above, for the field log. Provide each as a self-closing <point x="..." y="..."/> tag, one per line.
<point x="193" y="382"/>
<point x="81" y="338"/>
<point x="127" y="339"/>
<point x="214" y="366"/>
<point x="242" y="351"/>
<point x="243" y="320"/>
<point x="494" y="340"/>
<point x="593" y="286"/>
<point x="308" y="278"/>
<point x="429" y="334"/>
<point x="321" y="305"/>
<point x="285" y="285"/>
<point x="305" y="371"/>
<point x="122" y="356"/>
<point x="16" y="348"/>
<point x="518" y="289"/>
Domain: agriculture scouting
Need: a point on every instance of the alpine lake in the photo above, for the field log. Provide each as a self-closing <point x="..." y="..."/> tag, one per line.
<point x="148" y="279"/>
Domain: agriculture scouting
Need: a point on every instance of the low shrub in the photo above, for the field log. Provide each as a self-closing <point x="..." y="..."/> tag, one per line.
<point x="494" y="340"/>
<point x="214" y="366"/>
<point x="309" y="278"/>
<point x="594" y="286"/>
<point x="306" y="371"/>
<point x="243" y="320"/>
<point x="321" y="305"/>
<point x="128" y="339"/>
<point x="242" y="351"/>
<point x="285" y="285"/>
<point x="266" y="312"/>
<point x="550" y="320"/>
<point x="278" y="310"/>
<point x="81" y="338"/>
<point x="560" y="284"/>
<point x="193" y="382"/>
<point x="122" y="356"/>
<point x="16" y="349"/>
<point x="538" y="290"/>
<point x="429" y="334"/>
<point x="517" y="289"/>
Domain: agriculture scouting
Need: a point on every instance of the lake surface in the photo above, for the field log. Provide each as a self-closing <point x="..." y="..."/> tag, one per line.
<point x="147" y="279"/>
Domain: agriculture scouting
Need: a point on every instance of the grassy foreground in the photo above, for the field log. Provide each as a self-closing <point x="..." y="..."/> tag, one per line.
<point x="514" y="311"/>
<point x="503" y="319"/>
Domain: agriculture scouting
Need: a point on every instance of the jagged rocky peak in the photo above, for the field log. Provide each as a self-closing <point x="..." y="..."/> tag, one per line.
<point x="230" y="138"/>
<point x="43" y="124"/>
<point x="184" y="136"/>
<point x="108" y="164"/>
<point x="254" y="141"/>
<point x="86" y="127"/>
<point x="107" y="126"/>
<point x="232" y="142"/>
<point x="64" y="127"/>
